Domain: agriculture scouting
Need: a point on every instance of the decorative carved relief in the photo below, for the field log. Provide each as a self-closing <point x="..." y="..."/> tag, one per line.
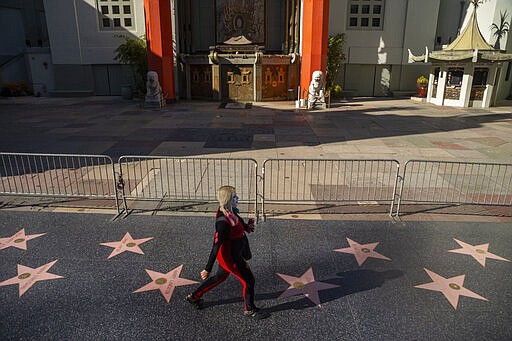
<point x="201" y="81"/>
<point x="240" y="21"/>
<point x="237" y="82"/>
<point x="275" y="82"/>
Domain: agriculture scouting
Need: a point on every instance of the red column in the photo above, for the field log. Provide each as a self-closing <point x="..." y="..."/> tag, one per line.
<point x="315" y="25"/>
<point x="159" y="42"/>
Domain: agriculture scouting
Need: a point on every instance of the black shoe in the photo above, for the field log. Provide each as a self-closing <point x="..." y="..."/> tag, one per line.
<point x="256" y="314"/>
<point x="196" y="302"/>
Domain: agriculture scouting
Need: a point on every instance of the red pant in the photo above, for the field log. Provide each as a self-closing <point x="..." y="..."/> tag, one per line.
<point x="227" y="265"/>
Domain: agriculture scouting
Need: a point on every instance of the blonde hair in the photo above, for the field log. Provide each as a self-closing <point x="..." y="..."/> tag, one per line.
<point x="225" y="196"/>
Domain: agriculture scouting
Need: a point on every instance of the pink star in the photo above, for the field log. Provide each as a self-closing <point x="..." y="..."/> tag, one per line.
<point x="165" y="282"/>
<point x="478" y="252"/>
<point x="362" y="251"/>
<point x="305" y="285"/>
<point x="19" y="240"/>
<point x="27" y="277"/>
<point x="126" y="244"/>
<point x="450" y="287"/>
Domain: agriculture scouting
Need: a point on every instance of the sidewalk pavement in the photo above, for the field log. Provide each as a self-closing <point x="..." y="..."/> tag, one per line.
<point x="80" y="277"/>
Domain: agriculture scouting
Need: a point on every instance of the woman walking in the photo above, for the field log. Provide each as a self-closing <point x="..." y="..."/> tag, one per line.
<point x="230" y="245"/>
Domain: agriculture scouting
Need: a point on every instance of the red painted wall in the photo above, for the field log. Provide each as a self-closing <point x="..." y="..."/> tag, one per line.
<point x="315" y="25"/>
<point x="159" y="42"/>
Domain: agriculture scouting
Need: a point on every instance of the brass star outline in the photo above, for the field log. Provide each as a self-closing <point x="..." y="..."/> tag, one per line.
<point x="166" y="283"/>
<point x="18" y="240"/>
<point x="362" y="251"/>
<point x="452" y="288"/>
<point x="127" y="243"/>
<point x="478" y="252"/>
<point x="305" y="285"/>
<point x="27" y="276"/>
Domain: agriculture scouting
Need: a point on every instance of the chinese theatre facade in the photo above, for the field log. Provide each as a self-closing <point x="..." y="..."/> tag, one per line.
<point x="238" y="50"/>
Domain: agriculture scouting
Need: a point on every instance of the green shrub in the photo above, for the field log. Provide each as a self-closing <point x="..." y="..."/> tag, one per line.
<point x="133" y="52"/>
<point x="336" y="91"/>
<point x="335" y="58"/>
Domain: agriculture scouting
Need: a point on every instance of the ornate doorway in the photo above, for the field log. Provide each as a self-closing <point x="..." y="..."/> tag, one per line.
<point x="237" y="81"/>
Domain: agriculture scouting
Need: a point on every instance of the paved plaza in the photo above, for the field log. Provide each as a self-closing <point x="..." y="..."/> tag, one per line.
<point x="442" y="275"/>
<point x="359" y="128"/>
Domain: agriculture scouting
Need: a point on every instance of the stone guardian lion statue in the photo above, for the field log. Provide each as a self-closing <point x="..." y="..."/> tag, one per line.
<point x="316" y="92"/>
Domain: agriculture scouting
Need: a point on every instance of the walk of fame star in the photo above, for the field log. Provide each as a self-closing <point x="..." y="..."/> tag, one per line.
<point x="19" y="240"/>
<point x="27" y="277"/>
<point x="305" y="285"/>
<point x="450" y="287"/>
<point x="362" y="251"/>
<point x="126" y="244"/>
<point x="165" y="282"/>
<point x="478" y="252"/>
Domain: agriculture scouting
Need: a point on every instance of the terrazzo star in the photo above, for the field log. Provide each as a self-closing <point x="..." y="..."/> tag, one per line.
<point x="126" y="244"/>
<point x="27" y="276"/>
<point x="305" y="285"/>
<point x="451" y="287"/>
<point x="362" y="251"/>
<point x="165" y="282"/>
<point x="478" y="252"/>
<point x="18" y="240"/>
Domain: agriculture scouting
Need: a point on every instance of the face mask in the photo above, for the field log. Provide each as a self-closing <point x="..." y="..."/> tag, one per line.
<point x="234" y="203"/>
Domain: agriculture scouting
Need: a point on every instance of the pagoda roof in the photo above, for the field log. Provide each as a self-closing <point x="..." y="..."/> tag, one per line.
<point x="471" y="38"/>
<point x="469" y="46"/>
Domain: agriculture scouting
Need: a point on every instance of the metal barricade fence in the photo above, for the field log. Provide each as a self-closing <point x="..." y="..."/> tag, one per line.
<point x="452" y="182"/>
<point x="187" y="179"/>
<point x="329" y="180"/>
<point x="58" y="175"/>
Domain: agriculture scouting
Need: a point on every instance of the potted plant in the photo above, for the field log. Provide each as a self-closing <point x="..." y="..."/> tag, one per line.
<point x="133" y="53"/>
<point x="422" y="83"/>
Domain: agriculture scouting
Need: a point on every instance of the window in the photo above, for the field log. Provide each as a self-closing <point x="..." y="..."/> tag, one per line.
<point x="366" y="14"/>
<point x="115" y="16"/>
<point x="454" y="78"/>
<point x="437" y="70"/>
<point x="480" y="76"/>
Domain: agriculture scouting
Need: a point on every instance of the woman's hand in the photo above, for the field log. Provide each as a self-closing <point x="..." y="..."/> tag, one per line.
<point x="204" y="274"/>
<point x="250" y="227"/>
